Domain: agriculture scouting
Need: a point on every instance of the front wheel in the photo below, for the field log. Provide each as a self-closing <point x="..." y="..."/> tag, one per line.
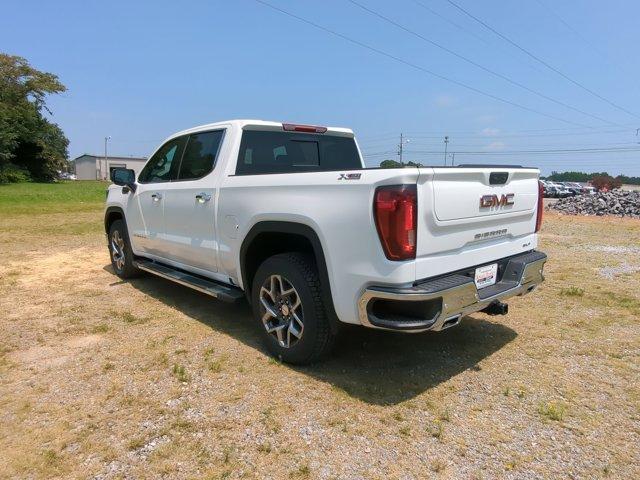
<point x="120" y="251"/>
<point x="288" y="307"/>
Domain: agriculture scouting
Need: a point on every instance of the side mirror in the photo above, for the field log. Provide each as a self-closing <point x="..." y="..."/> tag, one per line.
<point x="125" y="177"/>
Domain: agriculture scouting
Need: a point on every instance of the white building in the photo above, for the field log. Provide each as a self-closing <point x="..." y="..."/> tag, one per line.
<point x="95" y="167"/>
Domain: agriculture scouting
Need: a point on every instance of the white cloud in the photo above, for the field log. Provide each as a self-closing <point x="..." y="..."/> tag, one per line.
<point x="445" y="101"/>
<point x="490" y="132"/>
<point x="493" y="146"/>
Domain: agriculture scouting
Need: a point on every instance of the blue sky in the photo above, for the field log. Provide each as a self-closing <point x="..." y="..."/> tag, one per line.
<point x="139" y="71"/>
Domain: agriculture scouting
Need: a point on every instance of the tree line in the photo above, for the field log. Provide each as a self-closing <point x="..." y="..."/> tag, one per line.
<point x="589" y="177"/>
<point x="31" y="146"/>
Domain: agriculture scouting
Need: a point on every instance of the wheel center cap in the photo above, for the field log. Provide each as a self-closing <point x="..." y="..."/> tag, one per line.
<point x="285" y="310"/>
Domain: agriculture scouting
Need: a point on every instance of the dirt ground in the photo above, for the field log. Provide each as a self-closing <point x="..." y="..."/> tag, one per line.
<point x="101" y="378"/>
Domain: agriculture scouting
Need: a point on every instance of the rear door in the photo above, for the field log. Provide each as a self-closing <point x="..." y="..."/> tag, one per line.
<point x="190" y="204"/>
<point x="469" y="216"/>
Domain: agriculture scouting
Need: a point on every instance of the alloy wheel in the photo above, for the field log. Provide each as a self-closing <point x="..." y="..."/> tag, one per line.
<point x="281" y="310"/>
<point x="117" y="249"/>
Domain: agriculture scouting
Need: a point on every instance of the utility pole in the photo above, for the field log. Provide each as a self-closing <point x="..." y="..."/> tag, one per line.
<point x="446" y="143"/>
<point x="453" y="159"/>
<point x="103" y="174"/>
<point x="400" y="148"/>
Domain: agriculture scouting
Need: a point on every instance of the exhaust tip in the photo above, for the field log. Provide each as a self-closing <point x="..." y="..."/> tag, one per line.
<point x="451" y="322"/>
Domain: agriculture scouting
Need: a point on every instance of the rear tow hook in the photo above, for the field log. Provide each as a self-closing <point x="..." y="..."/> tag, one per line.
<point x="496" y="308"/>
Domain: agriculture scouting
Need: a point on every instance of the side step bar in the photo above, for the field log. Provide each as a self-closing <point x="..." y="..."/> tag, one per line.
<point x="220" y="291"/>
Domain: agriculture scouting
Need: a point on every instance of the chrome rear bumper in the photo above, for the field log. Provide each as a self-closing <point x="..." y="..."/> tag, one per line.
<point x="448" y="298"/>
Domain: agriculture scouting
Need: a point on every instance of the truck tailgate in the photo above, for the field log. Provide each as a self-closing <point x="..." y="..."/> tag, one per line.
<point x="457" y="193"/>
<point x="473" y="216"/>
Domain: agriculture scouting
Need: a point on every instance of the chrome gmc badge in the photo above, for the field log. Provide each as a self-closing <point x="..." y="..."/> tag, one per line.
<point x="488" y="201"/>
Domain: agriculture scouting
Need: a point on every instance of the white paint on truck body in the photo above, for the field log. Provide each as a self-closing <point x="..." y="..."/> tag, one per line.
<point x="453" y="230"/>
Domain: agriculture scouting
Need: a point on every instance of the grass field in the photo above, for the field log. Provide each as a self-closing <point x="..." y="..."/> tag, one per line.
<point x="101" y="378"/>
<point x="63" y="197"/>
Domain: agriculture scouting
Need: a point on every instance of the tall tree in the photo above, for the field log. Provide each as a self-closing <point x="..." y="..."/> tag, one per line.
<point x="27" y="139"/>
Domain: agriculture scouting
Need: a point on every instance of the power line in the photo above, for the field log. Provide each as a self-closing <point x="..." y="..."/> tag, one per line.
<point x="466" y="30"/>
<point x="451" y="22"/>
<point x="413" y="65"/>
<point x="423" y="136"/>
<point x="477" y="65"/>
<point x="476" y="133"/>
<point x="565" y="147"/>
<point x="593" y="47"/>
<point x="536" y="152"/>
<point x="539" y="151"/>
<point x="539" y="60"/>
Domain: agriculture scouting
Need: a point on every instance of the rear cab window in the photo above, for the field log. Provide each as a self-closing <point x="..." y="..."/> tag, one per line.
<point x="263" y="151"/>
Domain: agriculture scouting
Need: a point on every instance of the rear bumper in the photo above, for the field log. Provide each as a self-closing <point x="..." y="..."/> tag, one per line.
<point x="436" y="304"/>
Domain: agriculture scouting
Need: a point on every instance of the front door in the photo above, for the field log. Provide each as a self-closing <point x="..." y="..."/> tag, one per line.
<point x="145" y="209"/>
<point x="190" y="204"/>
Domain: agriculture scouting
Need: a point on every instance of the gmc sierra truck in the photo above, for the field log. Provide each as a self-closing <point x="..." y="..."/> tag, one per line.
<point x="288" y="217"/>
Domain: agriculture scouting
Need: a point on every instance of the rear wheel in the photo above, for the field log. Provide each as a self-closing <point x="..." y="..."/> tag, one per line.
<point x="288" y="307"/>
<point x="120" y="251"/>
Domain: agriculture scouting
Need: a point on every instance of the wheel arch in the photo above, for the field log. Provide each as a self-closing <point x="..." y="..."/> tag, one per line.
<point x="268" y="238"/>
<point x="111" y="215"/>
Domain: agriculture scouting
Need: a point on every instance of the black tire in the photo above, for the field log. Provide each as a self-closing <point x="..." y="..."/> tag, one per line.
<point x="122" y="266"/>
<point x="298" y="270"/>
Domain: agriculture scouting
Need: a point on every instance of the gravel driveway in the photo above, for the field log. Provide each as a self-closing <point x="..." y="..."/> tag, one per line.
<point x="101" y="378"/>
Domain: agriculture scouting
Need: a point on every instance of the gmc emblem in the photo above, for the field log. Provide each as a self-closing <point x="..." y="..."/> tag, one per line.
<point x="488" y="201"/>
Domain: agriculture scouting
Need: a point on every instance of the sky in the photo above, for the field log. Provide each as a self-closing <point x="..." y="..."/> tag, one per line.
<point x="565" y="74"/>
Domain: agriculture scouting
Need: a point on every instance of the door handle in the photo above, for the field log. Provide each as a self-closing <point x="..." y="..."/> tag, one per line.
<point x="203" y="197"/>
<point x="156" y="197"/>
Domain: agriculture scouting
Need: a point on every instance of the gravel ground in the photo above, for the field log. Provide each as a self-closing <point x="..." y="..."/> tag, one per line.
<point x="106" y="379"/>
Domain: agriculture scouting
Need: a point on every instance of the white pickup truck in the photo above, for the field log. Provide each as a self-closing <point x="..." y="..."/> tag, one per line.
<point x="289" y="217"/>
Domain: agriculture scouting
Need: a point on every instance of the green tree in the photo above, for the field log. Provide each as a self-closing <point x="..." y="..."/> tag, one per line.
<point x="390" y="164"/>
<point x="628" y="180"/>
<point x="28" y="141"/>
<point x="587" y="177"/>
<point x="395" y="164"/>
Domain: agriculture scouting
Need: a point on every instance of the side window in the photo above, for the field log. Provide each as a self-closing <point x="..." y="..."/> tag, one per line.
<point x="163" y="166"/>
<point x="200" y="155"/>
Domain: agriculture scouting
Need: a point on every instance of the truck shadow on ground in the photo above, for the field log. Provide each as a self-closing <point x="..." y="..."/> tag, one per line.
<point x="382" y="368"/>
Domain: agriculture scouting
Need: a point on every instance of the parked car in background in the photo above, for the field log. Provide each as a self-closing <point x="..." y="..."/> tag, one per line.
<point x="550" y="191"/>
<point x="556" y="191"/>
<point x="577" y="186"/>
<point x="546" y="189"/>
<point x="572" y="189"/>
<point x="562" y="190"/>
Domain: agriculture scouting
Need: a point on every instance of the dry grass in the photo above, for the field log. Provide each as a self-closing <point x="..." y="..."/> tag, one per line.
<point x="110" y="379"/>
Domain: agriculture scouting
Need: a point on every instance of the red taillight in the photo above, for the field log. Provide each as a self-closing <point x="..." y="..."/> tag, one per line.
<point x="540" y="206"/>
<point x="290" y="127"/>
<point x="395" y="209"/>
